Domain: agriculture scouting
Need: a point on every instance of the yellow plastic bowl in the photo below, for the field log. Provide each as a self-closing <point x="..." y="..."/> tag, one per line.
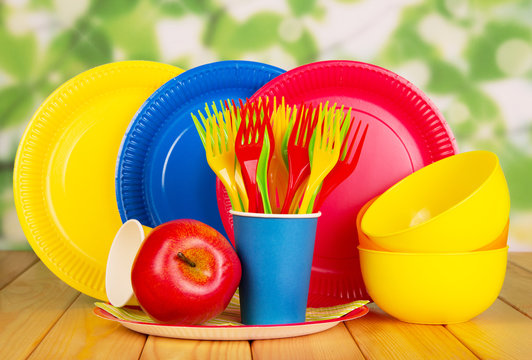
<point x="433" y="288"/>
<point x="363" y="240"/>
<point x="365" y="243"/>
<point x="457" y="204"/>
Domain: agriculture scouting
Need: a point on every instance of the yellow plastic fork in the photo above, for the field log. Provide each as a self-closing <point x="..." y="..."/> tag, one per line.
<point x="278" y="172"/>
<point x="220" y="151"/>
<point x="326" y="152"/>
<point x="232" y="112"/>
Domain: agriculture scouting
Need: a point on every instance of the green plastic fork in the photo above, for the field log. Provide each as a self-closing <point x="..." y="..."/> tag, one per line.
<point x="266" y="155"/>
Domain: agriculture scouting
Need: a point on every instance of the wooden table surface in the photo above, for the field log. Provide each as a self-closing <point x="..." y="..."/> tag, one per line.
<point x="43" y="318"/>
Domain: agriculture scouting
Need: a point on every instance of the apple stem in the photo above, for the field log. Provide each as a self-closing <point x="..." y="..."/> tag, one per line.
<point x="182" y="257"/>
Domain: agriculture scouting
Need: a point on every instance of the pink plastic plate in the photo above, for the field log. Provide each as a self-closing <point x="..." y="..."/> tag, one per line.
<point x="406" y="132"/>
<point x="244" y="332"/>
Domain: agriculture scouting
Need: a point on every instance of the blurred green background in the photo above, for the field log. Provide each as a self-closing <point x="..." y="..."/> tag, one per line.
<point x="473" y="58"/>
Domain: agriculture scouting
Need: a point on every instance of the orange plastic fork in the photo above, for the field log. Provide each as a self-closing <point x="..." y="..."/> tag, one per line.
<point x="248" y="147"/>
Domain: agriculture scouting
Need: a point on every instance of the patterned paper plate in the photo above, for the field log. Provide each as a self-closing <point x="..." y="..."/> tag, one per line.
<point x="243" y="332"/>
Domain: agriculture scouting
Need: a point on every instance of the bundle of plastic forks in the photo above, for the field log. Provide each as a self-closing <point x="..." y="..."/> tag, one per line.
<point x="275" y="158"/>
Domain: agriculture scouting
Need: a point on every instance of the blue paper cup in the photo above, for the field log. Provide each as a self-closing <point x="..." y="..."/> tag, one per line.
<point x="275" y="251"/>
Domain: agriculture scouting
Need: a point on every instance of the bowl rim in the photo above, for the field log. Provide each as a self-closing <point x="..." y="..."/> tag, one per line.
<point x="463" y="253"/>
<point x="378" y="199"/>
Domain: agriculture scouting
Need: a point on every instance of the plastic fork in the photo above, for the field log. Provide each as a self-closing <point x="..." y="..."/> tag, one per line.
<point x="298" y="155"/>
<point x="263" y="165"/>
<point x="248" y="147"/>
<point x="344" y="130"/>
<point x="278" y="171"/>
<point x="346" y="165"/>
<point x="232" y="122"/>
<point x="325" y="153"/>
<point x="236" y="119"/>
<point x="220" y="152"/>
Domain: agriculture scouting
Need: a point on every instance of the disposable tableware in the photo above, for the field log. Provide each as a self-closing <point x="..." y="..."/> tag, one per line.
<point x="406" y="132"/>
<point x="162" y="173"/>
<point x="326" y="152"/>
<point x="278" y="169"/>
<point x="64" y="172"/>
<point x="262" y="169"/>
<point x="219" y="148"/>
<point x="248" y="147"/>
<point x="297" y="152"/>
<point x="349" y="155"/>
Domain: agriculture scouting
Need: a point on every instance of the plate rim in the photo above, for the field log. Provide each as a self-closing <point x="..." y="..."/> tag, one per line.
<point x="327" y="64"/>
<point x="354" y="314"/>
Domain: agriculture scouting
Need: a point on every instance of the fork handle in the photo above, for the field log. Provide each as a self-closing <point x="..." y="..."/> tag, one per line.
<point x="326" y="189"/>
<point x="249" y="174"/>
<point x="313" y="184"/>
<point x="231" y="191"/>
<point x="293" y="184"/>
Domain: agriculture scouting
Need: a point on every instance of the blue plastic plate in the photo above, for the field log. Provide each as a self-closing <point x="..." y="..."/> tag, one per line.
<point x="162" y="173"/>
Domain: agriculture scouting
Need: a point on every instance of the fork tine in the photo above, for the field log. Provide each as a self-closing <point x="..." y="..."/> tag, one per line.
<point x="218" y="123"/>
<point x="209" y="142"/>
<point x="208" y="111"/>
<point x="327" y="122"/>
<point x="304" y="125"/>
<point x="346" y="125"/>
<point x="335" y="131"/>
<point x="216" y="136"/>
<point x="356" y="156"/>
<point x="239" y="140"/>
<point x="336" y="144"/>
<point x="252" y="126"/>
<point x="203" y="119"/>
<point x="251" y="123"/>
<point x="292" y="141"/>
<point x="319" y="126"/>
<point x="236" y="117"/>
<point x="222" y="123"/>
<point x="199" y="128"/>
<point x="243" y="110"/>
<point x="328" y="129"/>
<point x="346" y="151"/>
<point x="309" y="125"/>
<point x="258" y="130"/>
<point x="230" y="118"/>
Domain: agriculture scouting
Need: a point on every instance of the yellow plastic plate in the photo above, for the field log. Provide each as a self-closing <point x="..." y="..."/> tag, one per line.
<point x="65" y="168"/>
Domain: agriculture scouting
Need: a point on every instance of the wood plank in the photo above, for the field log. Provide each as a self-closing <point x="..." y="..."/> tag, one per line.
<point x="501" y="332"/>
<point x="173" y="349"/>
<point x="79" y="334"/>
<point x="332" y="344"/>
<point x="523" y="259"/>
<point x="14" y="263"/>
<point x="29" y="306"/>
<point x="517" y="289"/>
<point x="381" y="336"/>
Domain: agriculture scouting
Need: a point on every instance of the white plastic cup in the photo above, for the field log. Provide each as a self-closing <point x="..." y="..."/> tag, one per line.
<point x="120" y="260"/>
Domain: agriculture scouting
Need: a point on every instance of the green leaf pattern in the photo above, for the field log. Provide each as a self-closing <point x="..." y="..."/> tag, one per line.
<point x="456" y="51"/>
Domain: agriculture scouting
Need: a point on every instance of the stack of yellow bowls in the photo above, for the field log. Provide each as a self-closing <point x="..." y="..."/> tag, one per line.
<point x="433" y="247"/>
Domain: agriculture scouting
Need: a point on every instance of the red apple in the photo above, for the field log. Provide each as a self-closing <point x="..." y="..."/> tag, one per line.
<point x="185" y="272"/>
